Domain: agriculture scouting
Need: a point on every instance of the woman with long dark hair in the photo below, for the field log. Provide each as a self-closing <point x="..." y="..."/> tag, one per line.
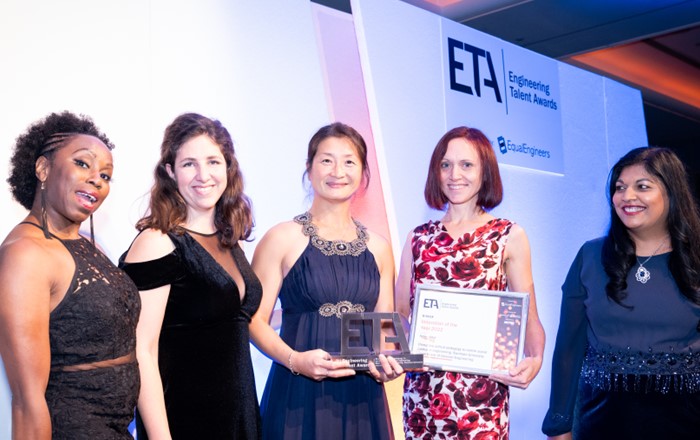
<point x="628" y="346"/>
<point x="198" y="291"/>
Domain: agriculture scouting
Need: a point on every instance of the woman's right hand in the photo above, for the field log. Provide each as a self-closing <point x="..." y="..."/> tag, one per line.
<point x="318" y="365"/>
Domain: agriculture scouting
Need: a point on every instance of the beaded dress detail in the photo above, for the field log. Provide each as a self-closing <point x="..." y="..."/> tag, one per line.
<point x="333" y="247"/>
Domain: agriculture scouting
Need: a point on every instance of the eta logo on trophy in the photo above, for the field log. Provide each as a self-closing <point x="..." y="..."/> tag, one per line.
<point x="351" y="340"/>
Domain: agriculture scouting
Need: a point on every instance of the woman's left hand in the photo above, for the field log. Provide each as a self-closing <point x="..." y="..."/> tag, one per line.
<point x="390" y="369"/>
<point x="522" y="374"/>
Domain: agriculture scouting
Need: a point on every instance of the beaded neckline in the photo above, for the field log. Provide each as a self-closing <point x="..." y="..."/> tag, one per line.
<point x="333" y="247"/>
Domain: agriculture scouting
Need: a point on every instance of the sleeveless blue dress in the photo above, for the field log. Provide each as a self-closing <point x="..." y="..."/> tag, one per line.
<point x="329" y="278"/>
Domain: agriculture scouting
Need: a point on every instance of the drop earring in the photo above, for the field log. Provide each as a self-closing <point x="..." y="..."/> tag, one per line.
<point x="92" y="231"/>
<point x="44" y="219"/>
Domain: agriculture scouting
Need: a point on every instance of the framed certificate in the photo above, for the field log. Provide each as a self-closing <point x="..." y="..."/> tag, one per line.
<point x="468" y="330"/>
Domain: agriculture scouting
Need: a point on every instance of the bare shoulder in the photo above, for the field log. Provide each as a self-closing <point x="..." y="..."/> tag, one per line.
<point x="149" y="245"/>
<point x="279" y="249"/>
<point x="379" y="246"/>
<point x="281" y="240"/>
<point x="22" y="258"/>
<point x="518" y="244"/>
<point x="20" y="249"/>
<point x="517" y="233"/>
<point x="28" y="243"/>
<point x="377" y="241"/>
<point x="284" y="229"/>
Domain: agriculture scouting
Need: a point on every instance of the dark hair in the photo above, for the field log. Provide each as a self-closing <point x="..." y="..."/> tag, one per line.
<point x="338" y="130"/>
<point x="43" y="138"/>
<point x="168" y="210"/>
<point x="683" y="223"/>
<point x="491" y="191"/>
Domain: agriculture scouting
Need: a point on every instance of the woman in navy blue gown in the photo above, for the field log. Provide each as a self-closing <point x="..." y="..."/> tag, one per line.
<point x="320" y="265"/>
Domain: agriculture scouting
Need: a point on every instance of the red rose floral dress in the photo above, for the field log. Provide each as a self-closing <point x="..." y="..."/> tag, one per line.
<point x="441" y="404"/>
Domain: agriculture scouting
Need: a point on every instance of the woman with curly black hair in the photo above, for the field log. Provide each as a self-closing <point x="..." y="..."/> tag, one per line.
<point x="67" y="314"/>
<point x="628" y="346"/>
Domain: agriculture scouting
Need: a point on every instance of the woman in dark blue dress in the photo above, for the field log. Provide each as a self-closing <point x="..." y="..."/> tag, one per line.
<point x="626" y="363"/>
<point x="197" y="289"/>
<point x="320" y="265"/>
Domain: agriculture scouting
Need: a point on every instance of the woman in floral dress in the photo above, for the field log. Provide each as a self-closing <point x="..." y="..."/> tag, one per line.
<point x="467" y="248"/>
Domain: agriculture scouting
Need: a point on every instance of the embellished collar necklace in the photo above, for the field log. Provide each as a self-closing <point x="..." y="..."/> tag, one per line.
<point x="333" y="247"/>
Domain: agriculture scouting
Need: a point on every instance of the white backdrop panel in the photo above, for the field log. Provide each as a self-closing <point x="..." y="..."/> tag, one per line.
<point x="400" y="50"/>
<point x="134" y="65"/>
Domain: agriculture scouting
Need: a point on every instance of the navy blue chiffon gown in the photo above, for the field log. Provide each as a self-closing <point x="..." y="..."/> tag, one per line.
<point x="328" y="279"/>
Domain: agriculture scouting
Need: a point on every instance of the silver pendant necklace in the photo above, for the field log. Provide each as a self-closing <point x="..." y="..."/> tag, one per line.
<point x="643" y="275"/>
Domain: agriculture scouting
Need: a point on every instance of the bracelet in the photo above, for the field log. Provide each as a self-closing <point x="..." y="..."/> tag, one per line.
<point x="291" y="366"/>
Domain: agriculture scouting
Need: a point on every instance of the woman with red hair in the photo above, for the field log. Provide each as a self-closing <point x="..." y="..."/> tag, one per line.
<point x="467" y="248"/>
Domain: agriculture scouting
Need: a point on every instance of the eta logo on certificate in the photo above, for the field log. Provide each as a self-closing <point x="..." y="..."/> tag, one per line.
<point x="430" y="303"/>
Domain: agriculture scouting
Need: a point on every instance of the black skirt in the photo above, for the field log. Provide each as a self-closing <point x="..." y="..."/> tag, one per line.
<point x="617" y="414"/>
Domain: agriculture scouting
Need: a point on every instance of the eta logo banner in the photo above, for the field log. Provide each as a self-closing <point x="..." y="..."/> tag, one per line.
<point x="476" y="53"/>
<point x="508" y="92"/>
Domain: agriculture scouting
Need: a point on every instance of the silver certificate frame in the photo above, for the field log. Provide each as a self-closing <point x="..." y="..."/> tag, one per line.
<point x="468" y="330"/>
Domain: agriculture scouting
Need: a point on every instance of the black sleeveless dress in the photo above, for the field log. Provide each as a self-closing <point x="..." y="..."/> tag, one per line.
<point x="204" y="351"/>
<point x="328" y="279"/>
<point x="96" y="321"/>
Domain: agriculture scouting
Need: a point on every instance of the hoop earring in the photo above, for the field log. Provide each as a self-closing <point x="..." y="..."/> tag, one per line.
<point x="44" y="219"/>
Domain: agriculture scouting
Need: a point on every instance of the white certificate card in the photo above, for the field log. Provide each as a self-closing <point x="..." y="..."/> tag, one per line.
<point x="468" y="330"/>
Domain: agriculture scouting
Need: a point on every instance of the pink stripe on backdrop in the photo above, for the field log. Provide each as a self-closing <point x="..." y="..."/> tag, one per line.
<point x="347" y="103"/>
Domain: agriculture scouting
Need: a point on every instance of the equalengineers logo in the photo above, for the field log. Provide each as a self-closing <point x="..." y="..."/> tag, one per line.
<point x="506" y="145"/>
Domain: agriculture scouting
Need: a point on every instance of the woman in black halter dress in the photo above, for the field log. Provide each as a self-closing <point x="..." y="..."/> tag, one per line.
<point x="67" y="314"/>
